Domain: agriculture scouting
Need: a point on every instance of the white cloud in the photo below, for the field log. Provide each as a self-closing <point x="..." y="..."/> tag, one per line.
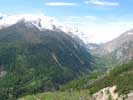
<point x="99" y="30"/>
<point x="79" y="19"/>
<point x="102" y="3"/>
<point x="103" y="32"/>
<point x="96" y="29"/>
<point x="61" y="4"/>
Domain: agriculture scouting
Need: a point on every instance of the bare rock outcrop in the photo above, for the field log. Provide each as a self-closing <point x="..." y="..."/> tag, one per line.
<point x="110" y="93"/>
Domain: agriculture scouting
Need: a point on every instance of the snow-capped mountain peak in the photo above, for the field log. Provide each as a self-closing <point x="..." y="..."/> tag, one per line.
<point x="41" y="22"/>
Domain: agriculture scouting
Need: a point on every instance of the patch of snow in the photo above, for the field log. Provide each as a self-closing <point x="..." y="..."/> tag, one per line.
<point x="129" y="33"/>
<point x="38" y="20"/>
<point x="42" y="22"/>
<point x="56" y="60"/>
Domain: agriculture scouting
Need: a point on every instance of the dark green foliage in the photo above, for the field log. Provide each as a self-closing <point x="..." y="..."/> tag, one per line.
<point x="38" y="61"/>
<point x="81" y="82"/>
<point x="122" y="76"/>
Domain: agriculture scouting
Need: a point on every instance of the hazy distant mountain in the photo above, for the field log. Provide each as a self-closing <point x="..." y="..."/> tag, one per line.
<point x="120" y="50"/>
<point x="93" y="46"/>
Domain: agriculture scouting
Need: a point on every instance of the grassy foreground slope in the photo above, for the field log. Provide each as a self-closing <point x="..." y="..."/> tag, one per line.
<point x="122" y="76"/>
<point x="75" y="95"/>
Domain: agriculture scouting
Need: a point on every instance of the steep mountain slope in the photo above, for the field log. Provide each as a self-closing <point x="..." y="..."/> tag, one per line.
<point x="119" y="42"/>
<point x="119" y="50"/>
<point x="34" y="60"/>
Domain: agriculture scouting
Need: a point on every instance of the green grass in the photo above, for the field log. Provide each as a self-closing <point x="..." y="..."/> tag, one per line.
<point x="122" y="76"/>
<point x="67" y="95"/>
<point x="80" y="83"/>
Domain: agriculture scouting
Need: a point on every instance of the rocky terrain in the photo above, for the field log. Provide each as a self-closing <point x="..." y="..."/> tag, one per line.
<point x="110" y="93"/>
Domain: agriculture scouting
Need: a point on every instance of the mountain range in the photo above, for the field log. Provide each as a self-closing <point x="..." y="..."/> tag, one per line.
<point x="119" y="50"/>
<point x="36" y="60"/>
<point x="39" y="54"/>
<point x="42" y="22"/>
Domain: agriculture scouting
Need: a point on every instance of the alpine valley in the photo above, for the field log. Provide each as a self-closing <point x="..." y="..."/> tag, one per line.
<point x="43" y="59"/>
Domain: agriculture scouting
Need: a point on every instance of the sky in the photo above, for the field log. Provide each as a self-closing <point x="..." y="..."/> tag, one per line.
<point x="100" y="20"/>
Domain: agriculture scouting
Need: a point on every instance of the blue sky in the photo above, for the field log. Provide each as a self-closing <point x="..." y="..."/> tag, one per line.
<point x="78" y="7"/>
<point x="106" y="17"/>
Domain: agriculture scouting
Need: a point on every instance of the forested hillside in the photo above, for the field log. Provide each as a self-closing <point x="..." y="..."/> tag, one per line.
<point x="33" y="61"/>
<point x="87" y="86"/>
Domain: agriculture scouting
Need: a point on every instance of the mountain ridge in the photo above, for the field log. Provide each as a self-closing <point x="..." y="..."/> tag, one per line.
<point x="117" y="51"/>
<point x="39" y="60"/>
<point x="42" y="22"/>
